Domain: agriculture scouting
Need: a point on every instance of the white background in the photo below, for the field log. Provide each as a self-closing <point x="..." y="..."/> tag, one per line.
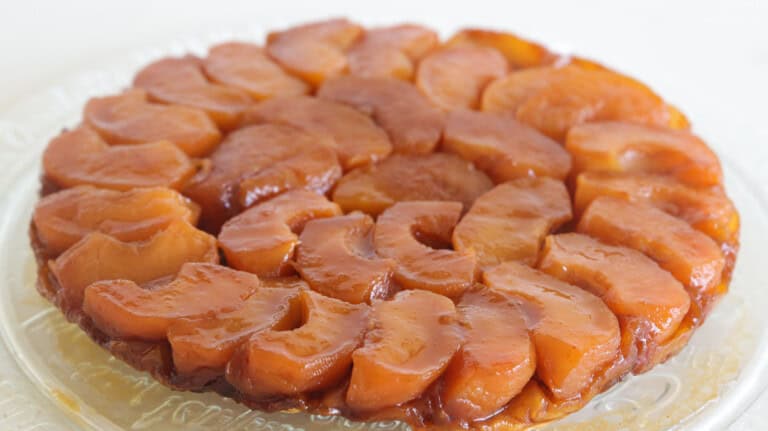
<point x="709" y="58"/>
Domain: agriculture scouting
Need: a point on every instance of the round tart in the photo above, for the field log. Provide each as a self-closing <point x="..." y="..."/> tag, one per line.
<point x="474" y="233"/>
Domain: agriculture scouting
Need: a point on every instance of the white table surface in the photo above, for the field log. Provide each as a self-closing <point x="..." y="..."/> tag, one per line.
<point x="709" y="58"/>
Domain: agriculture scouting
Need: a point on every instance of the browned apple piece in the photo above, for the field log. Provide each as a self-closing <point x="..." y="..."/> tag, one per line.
<point x="123" y="309"/>
<point x="262" y="239"/>
<point x="336" y="257"/>
<point x="510" y="221"/>
<point x="80" y="157"/>
<point x="495" y="362"/>
<point x="101" y="257"/>
<point x="574" y="332"/>
<point x="129" y="119"/>
<point x="502" y="147"/>
<point x="415" y="234"/>
<point x="181" y="81"/>
<point x="519" y="52"/>
<point x="634" y="148"/>
<point x="63" y="218"/>
<point x="356" y="138"/>
<point x="256" y="163"/>
<point x="247" y="67"/>
<point x="411" y="341"/>
<point x="314" y="356"/>
<point x="401" y="177"/>
<point x="692" y="257"/>
<point x="554" y="99"/>
<point x="390" y="52"/>
<point x="455" y="77"/>
<point x="208" y="342"/>
<point x="314" y="51"/>
<point x="648" y="301"/>
<point x="412" y="123"/>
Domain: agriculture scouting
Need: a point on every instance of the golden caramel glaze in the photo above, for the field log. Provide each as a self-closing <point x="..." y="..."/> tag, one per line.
<point x="414" y="126"/>
<point x="390" y="52"/>
<point x="520" y="53"/>
<point x="314" y="52"/>
<point x="414" y="234"/>
<point x="411" y="341"/>
<point x="259" y="162"/>
<point x="129" y="119"/>
<point x="262" y="240"/>
<point x="398" y="178"/>
<point x="81" y="157"/>
<point x="510" y="221"/>
<point x="314" y="356"/>
<point x="247" y="67"/>
<point x="63" y="218"/>
<point x="502" y="147"/>
<point x="455" y="77"/>
<point x="336" y="257"/>
<point x="123" y="309"/>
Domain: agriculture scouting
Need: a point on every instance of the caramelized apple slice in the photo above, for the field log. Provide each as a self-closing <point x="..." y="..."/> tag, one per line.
<point x="554" y="99"/>
<point x="122" y="309"/>
<point x="495" y="362"/>
<point x="390" y="52"/>
<point x="101" y="257"/>
<point x="181" y="81"/>
<point x="262" y="239"/>
<point x="314" y="51"/>
<point x="519" y="52"/>
<point x="208" y="342"/>
<point x="336" y="257"/>
<point x="412" y="123"/>
<point x="247" y="67"/>
<point x="648" y="301"/>
<point x="510" y="221"/>
<point x="81" y="157"/>
<point x="634" y="148"/>
<point x="63" y="218"/>
<point x="129" y="119"/>
<point x="453" y="78"/>
<point x="411" y="341"/>
<point x="314" y="356"/>
<point x="256" y="163"/>
<point x="412" y="233"/>
<point x="432" y="177"/>
<point x="502" y="147"/>
<point x="692" y="257"/>
<point x="574" y="333"/>
<point x="356" y="138"/>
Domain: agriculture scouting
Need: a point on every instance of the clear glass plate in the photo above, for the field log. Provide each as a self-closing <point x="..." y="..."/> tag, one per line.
<point x="706" y="386"/>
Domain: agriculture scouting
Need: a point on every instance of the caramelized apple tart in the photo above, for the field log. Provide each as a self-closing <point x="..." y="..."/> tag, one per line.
<point x="471" y="234"/>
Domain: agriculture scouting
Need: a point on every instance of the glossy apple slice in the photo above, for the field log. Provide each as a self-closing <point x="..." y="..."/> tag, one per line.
<point x="262" y="239"/>
<point x="519" y="52"/>
<point x="495" y="362"/>
<point x="398" y="178"/>
<point x="247" y="67"/>
<point x="411" y="341"/>
<point x="63" y="218"/>
<point x="510" y="221"/>
<point x="455" y="77"/>
<point x="122" y="309"/>
<point x="574" y="332"/>
<point x="412" y="234"/>
<point x="80" y="157"/>
<point x="336" y="257"/>
<point x="412" y="123"/>
<point x="390" y="52"/>
<point x="101" y="257"/>
<point x="129" y="119"/>
<point x="502" y="147"/>
<point x="314" y="51"/>
<point x="633" y="148"/>
<point x="314" y="356"/>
